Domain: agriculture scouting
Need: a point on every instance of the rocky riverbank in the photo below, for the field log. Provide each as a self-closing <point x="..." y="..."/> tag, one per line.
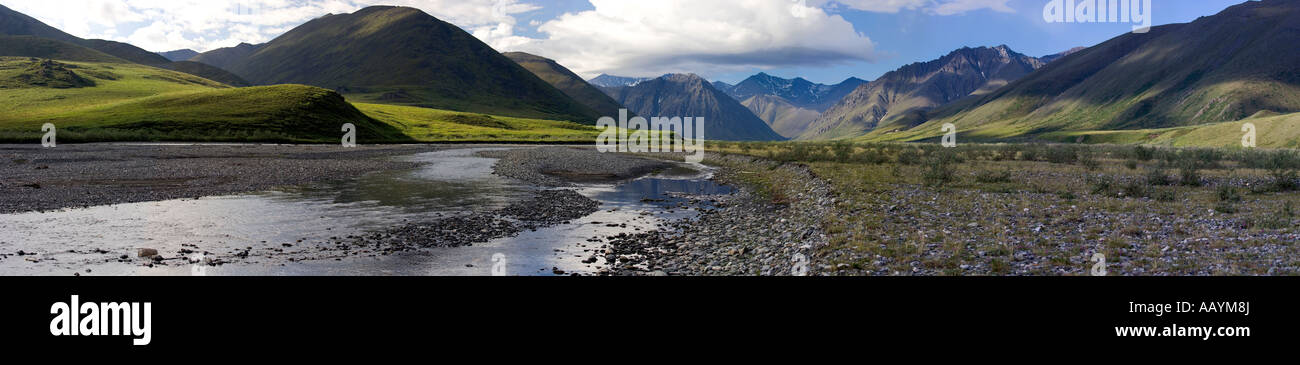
<point x="563" y="166"/>
<point x="33" y="178"/>
<point x="751" y="232"/>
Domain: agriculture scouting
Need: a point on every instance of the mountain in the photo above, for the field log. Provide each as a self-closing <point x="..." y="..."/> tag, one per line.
<point x="401" y="55"/>
<point x="33" y="46"/>
<point x="568" y="82"/>
<point x="15" y="23"/>
<point x="207" y="71"/>
<point x="1216" y="69"/>
<point x="1053" y="57"/>
<point x="18" y="24"/>
<point x="900" y="98"/>
<point x="797" y="91"/>
<point x="688" y="95"/>
<point x="228" y="56"/>
<point x="787" y="105"/>
<point x="723" y="87"/>
<point x="615" y="81"/>
<point x="179" y="55"/>
<point x="786" y="119"/>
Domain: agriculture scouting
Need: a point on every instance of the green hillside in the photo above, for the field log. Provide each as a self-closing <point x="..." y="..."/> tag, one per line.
<point x="1217" y="69"/>
<point x="568" y="82"/>
<point x="141" y="103"/>
<point x="32" y="46"/>
<point x="434" y="125"/>
<point x="402" y="56"/>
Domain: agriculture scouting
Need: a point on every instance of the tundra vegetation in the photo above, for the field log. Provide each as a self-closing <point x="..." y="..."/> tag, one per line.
<point x="1045" y="209"/>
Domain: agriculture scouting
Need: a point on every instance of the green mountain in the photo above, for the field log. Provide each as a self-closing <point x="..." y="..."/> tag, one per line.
<point x="106" y="101"/>
<point x="206" y="71"/>
<point x="179" y="55"/>
<point x="567" y="81"/>
<point x="33" y="46"/>
<point x="399" y="55"/>
<point x="688" y="95"/>
<point x="227" y="57"/>
<point x="13" y="23"/>
<point x="1216" y="69"/>
<point x="900" y="98"/>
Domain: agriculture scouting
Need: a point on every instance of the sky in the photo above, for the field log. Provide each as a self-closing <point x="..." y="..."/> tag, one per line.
<point x="824" y="41"/>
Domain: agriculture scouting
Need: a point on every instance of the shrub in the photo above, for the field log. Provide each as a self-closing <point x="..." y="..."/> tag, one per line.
<point x="909" y="156"/>
<point x="1229" y="194"/>
<point x="1166" y="195"/>
<point x="938" y="168"/>
<point x="1189" y="175"/>
<point x="1142" y="153"/>
<point x="1101" y="185"/>
<point x="1062" y="155"/>
<point x="1134" y="189"/>
<point x="1158" y="177"/>
<point x="843" y="151"/>
<point x="993" y="177"/>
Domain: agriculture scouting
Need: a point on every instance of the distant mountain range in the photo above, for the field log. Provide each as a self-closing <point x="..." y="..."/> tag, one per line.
<point x="900" y="98"/>
<point x="616" y="81"/>
<point x="227" y="57"/>
<point x="688" y="95"/>
<point x="789" y="106"/>
<point x="1222" y="68"/>
<point x="1053" y="57"/>
<point x="568" y="82"/>
<point x="179" y="55"/>
<point x="796" y="91"/>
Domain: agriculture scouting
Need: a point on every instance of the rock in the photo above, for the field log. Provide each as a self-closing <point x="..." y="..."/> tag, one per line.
<point x="147" y="252"/>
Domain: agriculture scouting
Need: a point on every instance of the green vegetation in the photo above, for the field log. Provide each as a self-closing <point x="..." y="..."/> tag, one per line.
<point x="402" y="56"/>
<point x="434" y="125"/>
<point x="1040" y="209"/>
<point x="91" y="101"/>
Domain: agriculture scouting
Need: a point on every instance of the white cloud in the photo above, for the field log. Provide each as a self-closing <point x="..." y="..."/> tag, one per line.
<point x="630" y="37"/>
<point x="163" y="25"/>
<point x="937" y="7"/>
<point x="648" y="38"/>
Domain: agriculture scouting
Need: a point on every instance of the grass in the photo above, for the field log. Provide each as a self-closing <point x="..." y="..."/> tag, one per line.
<point x="434" y="125"/>
<point x="1028" y="209"/>
<point x="96" y="102"/>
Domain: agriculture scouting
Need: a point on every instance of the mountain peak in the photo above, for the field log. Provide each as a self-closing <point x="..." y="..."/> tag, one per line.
<point x="401" y="55"/>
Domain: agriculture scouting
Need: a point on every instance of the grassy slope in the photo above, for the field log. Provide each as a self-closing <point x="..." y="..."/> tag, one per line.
<point x="567" y="81"/>
<point x="1280" y="131"/>
<point x="131" y="102"/>
<point x="402" y="56"/>
<point x="435" y="125"/>
<point x="1180" y="77"/>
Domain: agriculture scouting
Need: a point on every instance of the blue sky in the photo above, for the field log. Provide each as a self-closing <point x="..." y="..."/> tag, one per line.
<point x="914" y="35"/>
<point x="822" y="40"/>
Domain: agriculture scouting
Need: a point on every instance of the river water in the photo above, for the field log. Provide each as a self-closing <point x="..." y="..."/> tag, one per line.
<point x="279" y="227"/>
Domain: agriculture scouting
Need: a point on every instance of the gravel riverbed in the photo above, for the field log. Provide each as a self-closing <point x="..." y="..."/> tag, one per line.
<point x="33" y="178"/>
<point x="743" y="233"/>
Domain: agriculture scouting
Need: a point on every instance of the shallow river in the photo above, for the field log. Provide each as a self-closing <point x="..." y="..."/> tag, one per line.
<point x="280" y="226"/>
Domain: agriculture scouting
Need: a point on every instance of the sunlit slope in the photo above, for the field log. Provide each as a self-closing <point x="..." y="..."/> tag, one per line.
<point x="128" y="102"/>
<point x="435" y="125"/>
<point x="1217" y="69"/>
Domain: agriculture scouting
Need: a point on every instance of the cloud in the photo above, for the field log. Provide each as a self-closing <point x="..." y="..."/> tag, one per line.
<point x="649" y="38"/>
<point x="163" y="25"/>
<point x="936" y="7"/>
